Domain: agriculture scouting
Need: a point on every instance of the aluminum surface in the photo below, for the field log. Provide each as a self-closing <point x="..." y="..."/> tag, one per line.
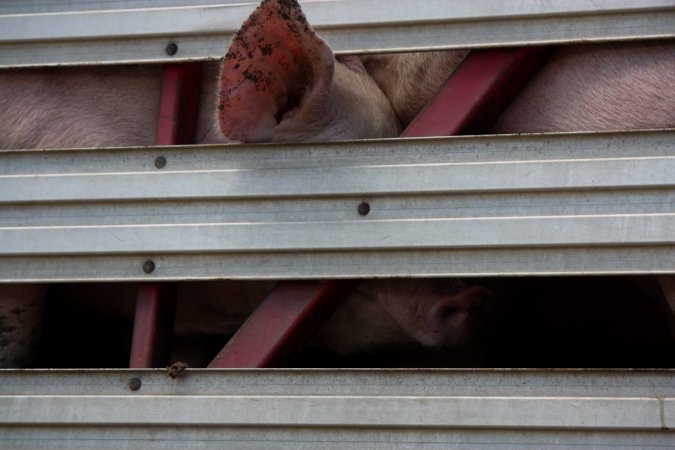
<point x="337" y="408"/>
<point x="540" y="204"/>
<point x="42" y="6"/>
<point x="93" y="33"/>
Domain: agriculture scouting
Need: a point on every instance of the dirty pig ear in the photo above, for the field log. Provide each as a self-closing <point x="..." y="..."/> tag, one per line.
<point x="275" y="68"/>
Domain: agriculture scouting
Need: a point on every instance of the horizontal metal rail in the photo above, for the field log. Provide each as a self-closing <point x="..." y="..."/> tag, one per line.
<point x="336" y="409"/>
<point x="34" y="33"/>
<point x="538" y="204"/>
<point x="66" y="6"/>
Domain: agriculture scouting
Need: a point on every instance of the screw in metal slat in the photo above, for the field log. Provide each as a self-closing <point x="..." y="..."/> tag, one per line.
<point x="171" y="48"/>
<point x="149" y="266"/>
<point x="135" y="384"/>
<point x="363" y="208"/>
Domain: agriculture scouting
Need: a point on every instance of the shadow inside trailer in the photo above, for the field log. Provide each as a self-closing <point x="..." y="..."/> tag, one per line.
<point x="543" y="322"/>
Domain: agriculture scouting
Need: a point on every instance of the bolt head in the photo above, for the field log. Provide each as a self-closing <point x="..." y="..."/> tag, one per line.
<point x="135" y="384"/>
<point x="149" y="266"/>
<point x="171" y="48"/>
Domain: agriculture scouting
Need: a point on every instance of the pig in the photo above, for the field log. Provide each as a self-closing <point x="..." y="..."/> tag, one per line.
<point x="594" y="87"/>
<point x="278" y="82"/>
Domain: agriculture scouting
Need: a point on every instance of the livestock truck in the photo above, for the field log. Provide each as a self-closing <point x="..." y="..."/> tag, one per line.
<point x="585" y="218"/>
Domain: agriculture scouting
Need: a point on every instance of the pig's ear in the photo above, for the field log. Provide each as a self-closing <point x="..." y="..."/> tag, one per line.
<point x="275" y="70"/>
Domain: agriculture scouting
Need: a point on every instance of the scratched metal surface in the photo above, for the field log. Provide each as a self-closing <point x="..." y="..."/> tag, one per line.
<point x="505" y="409"/>
<point x="492" y="205"/>
<point x="36" y="32"/>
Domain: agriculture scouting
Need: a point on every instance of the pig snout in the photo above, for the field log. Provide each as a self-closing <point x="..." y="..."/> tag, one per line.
<point x="455" y="318"/>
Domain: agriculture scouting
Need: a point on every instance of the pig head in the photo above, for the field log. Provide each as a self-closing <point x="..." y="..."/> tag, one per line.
<point x="380" y="315"/>
<point x="383" y="315"/>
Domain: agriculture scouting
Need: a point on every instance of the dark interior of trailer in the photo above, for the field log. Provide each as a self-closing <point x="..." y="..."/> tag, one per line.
<point x="540" y="322"/>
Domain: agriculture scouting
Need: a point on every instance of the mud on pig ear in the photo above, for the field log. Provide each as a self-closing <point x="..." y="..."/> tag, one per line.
<point x="276" y="71"/>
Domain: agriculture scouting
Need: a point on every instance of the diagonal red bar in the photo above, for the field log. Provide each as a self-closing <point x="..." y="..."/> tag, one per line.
<point x="290" y="314"/>
<point x="153" y="325"/>
<point x="477" y="92"/>
<point x="156" y="302"/>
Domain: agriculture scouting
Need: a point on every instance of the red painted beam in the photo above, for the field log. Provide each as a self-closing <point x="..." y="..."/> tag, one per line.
<point x="156" y="302"/>
<point x="179" y="104"/>
<point x="153" y="325"/>
<point x="478" y="91"/>
<point x="289" y="316"/>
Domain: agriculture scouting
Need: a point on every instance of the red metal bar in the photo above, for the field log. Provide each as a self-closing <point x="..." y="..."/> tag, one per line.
<point x="179" y="104"/>
<point x="153" y="325"/>
<point x="156" y="302"/>
<point x="478" y="91"/>
<point x="290" y="314"/>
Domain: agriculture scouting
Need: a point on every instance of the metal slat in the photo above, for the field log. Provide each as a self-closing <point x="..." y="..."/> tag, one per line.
<point x="384" y="179"/>
<point x="458" y="206"/>
<point x="203" y="31"/>
<point x="46" y="6"/>
<point x="313" y="438"/>
<point x="567" y="383"/>
<point x="332" y="411"/>
<point x="367" y="235"/>
<point x="352" y="264"/>
<point x="534" y="148"/>
<point x="337" y="408"/>
<point x="490" y="164"/>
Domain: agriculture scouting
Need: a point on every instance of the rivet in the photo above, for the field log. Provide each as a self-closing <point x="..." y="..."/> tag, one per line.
<point x="135" y="384"/>
<point x="149" y="266"/>
<point x="171" y="48"/>
<point x="160" y="162"/>
<point x="363" y="209"/>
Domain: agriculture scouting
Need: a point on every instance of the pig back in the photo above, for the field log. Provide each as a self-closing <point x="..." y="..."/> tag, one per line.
<point x="79" y="107"/>
<point x="598" y="87"/>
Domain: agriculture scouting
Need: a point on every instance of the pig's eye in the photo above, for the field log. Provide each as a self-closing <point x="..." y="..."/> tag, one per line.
<point x="353" y="63"/>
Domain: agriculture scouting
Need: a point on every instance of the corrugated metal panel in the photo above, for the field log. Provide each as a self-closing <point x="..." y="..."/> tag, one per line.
<point x="76" y="32"/>
<point x="540" y="204"/>
<point x="46" y="6"/>
<point x="337" y="409"/>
